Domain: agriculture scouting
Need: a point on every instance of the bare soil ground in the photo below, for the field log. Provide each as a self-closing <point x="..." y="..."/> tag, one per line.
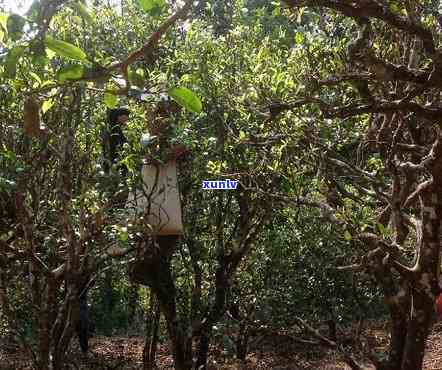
<point x="279" y="352"/>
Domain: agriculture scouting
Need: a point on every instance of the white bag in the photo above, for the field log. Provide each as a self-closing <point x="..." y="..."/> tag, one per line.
<point x="160" y="202"/>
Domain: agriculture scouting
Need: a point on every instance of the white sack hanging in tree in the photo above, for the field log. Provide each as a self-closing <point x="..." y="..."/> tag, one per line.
<point x="160" y="202"/>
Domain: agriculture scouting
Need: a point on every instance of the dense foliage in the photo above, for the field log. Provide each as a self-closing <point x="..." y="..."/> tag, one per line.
<point x="325" y="112"/>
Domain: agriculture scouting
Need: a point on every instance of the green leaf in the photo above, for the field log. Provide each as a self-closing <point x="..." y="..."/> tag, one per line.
<point x="14" y="25"/>
<point x="156" y="12"/>
<point x="186" y="98"/>
<point x="6" y="184"/>
<point x="65" y="49"/>
<point x="47" y="104"/>
<point x="50" y="53"/>
<point x="3" y="25"/>
<point x="381" y="228"/>
<point x="110" y="100"/>
<point x="40" y="60"/>
<point x="12" y="59"/>
<point x="35" y="77"/>
<point x="149" y="5"/>
<point x="299" y="38"/>
<point x="123" y="236"/>
<point x="347" y="235"/>
<point x="4" y="20"/>
<point x="69" y="73"/>
<point x="137" y="78"/>
<point x="48" y="83"/>
<point x="83" y="11"/>
<point x="395" y="7"/>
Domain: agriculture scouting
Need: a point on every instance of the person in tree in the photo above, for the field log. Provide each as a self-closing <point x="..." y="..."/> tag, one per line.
<point x="163" y="150"/>
<point x="113" y="138"/>
<point x="167" y="148"/>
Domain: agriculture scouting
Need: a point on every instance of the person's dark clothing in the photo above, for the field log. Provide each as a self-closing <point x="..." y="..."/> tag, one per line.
<point x="113" y="141"/>
<point x="114" y="114"/>
<point x="82" y="327"/>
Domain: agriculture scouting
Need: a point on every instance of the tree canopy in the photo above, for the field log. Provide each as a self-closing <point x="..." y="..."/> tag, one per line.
<point x="327" y="115"/>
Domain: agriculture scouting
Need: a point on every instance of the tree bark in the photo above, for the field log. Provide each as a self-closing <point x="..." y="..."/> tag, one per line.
<point x="202" y="351"/>
<point x="417" y="333"/>
<point x="398" y="334"/>
<point x="215" y="314"/>
<point x="108" y="299"/>
<point x="132" y="303"/>
<point x="242" y="341"/>
<point x="152" y="327"/>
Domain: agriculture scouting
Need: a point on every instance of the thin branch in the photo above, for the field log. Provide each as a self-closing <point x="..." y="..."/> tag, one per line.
<point x="390" y="251"/>
<point x="151" y="42"/>
<point x="349" y="359"/>
<point x="327" y="211"/>
<point x="357" y="267"/>
<point x="390" y="72"/>
<point x="372" y="9"/>
<point x="414" y="196"/>
<point x="432" y="113"/>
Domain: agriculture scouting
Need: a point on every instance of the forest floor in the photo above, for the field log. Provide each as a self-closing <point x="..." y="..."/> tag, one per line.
<point x="279" y="351"/>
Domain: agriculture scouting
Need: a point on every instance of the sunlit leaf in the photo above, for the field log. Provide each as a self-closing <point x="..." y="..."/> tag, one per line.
<point x="381" y="228"/>
<point x="146" y="5"/>
<point x="4" y="20"/>
<point x="347" y="235"/>
<point x="65" y="49"/>
<point x="299" y="38"/>
<point x="149" y="5"/>
<point x="35" y="77"/>
<point x="301" y="11"/>
<point x="395" y="7"/>
<point x="69" y="73"/>
<point x="186" y="98"/>
<point x="110" y="100"/>
<point x="123" y="236"/>
<point x="48" y="83"/>
<point x="83" y="11"/>
<point x="47" y="104"/>
<point x="3" y="25"/>
<point x="50" y="53"/>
